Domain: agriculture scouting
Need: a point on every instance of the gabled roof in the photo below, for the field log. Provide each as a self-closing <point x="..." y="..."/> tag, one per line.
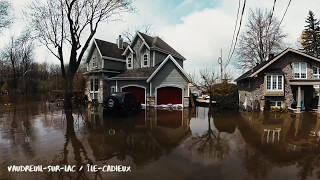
<point x="169" y="57"/>
<point x="149" y="72"/>
<point x="108" y="49"/>
<point x="255" y="70"/>
<point x="156" y="43"/>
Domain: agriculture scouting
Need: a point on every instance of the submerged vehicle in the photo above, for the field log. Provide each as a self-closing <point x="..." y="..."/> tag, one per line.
<point x="122" y="103"/>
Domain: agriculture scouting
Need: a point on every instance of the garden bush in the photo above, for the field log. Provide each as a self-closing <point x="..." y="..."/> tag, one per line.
<point x="226" y="95"/>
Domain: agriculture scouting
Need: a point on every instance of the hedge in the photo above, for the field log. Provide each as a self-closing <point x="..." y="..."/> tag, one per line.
<point x="226" y="95"/>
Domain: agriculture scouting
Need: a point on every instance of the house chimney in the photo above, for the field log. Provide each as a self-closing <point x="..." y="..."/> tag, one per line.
<point x="120" y="42"/>
<point x="271" y="56"/>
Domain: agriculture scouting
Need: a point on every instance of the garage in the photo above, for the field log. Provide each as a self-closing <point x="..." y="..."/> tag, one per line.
<point x="139" y="92"/>
<point x="169" y="95"/>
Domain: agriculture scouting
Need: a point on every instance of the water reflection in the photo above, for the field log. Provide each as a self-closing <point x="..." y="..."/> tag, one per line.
<point x="280" y="140"/>
<point x="144" y="138"/>
<point x="197" y="143"/>
<point x="210" y="145"/>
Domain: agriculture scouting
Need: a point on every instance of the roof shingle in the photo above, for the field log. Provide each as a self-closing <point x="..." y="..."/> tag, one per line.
<point x="137" y="73"/>
<point x="157" y="42"/>
<point x="109" y="49"/>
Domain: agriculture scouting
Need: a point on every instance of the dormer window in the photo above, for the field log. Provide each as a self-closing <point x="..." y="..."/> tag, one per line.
<point x="145" y="62"/>
<point x="129" y="63"/>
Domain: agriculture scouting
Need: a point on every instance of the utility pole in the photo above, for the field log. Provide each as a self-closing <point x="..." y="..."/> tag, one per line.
<point x="221" y="66"/>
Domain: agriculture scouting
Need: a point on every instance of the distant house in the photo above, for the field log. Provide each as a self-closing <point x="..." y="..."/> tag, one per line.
<point x="148" y="67"/>
<point x="291" y="79"/>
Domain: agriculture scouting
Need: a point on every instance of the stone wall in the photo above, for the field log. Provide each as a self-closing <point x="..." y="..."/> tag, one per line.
<point x="251" y="91"/>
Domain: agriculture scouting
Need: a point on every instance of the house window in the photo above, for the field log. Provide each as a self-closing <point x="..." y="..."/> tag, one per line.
<point x="94" y="62"/>
<point x="300" y="70"/>
<point x="129" y="63"/>
<point x="113" y="89"/>
<point x="316" y="75"/>
<point x="274" y="82"/>
<point x="91" y="83"/>
<point x="145" y="60"/>
<point x="275" y="103"/>
<point x="94" y="83"/>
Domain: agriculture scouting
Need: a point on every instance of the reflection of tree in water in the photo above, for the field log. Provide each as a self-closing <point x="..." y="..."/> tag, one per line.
<point x="210" y="145"/>
<point x="80" y="154"/>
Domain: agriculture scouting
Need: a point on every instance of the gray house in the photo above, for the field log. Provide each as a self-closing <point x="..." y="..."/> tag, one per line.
<point x="291" y="79"/>
<point x="148" y="67"/>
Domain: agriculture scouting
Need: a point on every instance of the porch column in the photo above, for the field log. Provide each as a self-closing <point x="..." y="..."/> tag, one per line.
<point x="299" y="100"/>
<point x="318" y="103"/>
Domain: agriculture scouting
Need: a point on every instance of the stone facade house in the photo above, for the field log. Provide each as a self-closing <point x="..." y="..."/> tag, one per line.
<point x="148" y="67"/>
<point x="291" y="80"/>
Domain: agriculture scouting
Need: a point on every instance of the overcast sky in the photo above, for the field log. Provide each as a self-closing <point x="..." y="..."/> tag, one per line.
<point x="198" y="29"/>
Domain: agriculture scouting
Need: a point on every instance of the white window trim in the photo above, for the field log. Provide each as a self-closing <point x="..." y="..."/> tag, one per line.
<point x="277" y="84"/>
<point x="93" y="91"/>
<point x="300" y="70"/>
<point x="127" y="62"/>
<point x="276" y="102"/>
<point x="148" y="60"/>
<point x="318" y="70"/>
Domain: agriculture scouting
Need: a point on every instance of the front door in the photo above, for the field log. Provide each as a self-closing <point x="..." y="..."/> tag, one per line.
<point x="302" y="99"/>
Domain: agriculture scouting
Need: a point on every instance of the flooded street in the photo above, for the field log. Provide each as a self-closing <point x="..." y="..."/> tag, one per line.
<point x="159" y="144"/>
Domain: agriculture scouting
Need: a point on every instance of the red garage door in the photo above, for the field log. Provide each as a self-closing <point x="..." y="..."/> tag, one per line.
<point x="169" y="95"/>
<point x="137" y="91"/>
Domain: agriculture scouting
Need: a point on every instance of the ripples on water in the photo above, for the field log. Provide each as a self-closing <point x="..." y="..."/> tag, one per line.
<point x="159" y="144"/>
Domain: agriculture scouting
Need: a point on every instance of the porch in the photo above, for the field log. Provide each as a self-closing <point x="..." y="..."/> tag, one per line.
<point x="303" y="93"/>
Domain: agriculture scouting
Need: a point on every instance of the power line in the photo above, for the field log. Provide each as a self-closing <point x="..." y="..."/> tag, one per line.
<point x="285" y="12"/>
<point x="244" y="6"/>
<point x="270" y="21"/>
<point x="235" y="28"/>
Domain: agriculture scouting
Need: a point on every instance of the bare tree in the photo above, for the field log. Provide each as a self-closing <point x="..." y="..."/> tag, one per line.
<point x="10" y="55"/>
<point x="25" y="50"/>
<point x="129" y="33"/>
<point x="263" y="36"/>
<point x="6" y="16"/>
<point x="25" y="53"/>
<point x="205" y="82"/>
<point x="68" y="26"/>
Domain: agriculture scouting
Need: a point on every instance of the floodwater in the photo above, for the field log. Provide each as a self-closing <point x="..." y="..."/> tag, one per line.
<point x="158" y="144"/>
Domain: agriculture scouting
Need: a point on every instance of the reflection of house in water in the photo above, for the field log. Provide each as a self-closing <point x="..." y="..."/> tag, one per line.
<point x="283" y="138"/>
<point x="145" y="137"/>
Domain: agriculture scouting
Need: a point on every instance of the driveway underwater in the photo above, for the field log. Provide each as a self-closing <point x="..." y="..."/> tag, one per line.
<point x="159" y="144"/>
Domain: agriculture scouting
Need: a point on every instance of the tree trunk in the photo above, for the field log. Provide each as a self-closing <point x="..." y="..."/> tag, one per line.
<point x="68" y="92"/>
